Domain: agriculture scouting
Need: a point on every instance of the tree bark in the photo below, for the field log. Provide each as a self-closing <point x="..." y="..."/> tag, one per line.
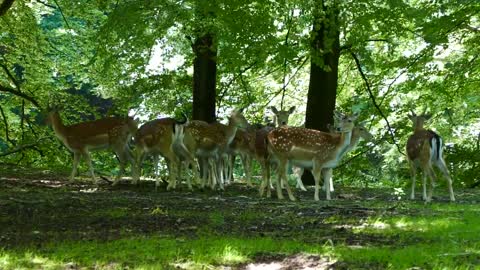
<point x="204" y="78"/>
<point x="5" y="6"/>
<point x="322" y="90"/>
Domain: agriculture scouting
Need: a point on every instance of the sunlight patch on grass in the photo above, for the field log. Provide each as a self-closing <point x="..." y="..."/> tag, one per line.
<point x="232" y="255"/>
<point x="152" y="253"/>
<point x="28" y="260"/>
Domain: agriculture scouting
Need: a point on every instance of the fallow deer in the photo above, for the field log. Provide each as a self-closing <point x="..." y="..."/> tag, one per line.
<point x="157" y="137"/>
<point x="244" y="144"/>
<point x="311" y="149"/>
<point x="425" y="147"/>
<point x="358" y="132"/>
<point x="280" y="117"/>
<point x="209" y="141"/>
<point x="107" y="133"/>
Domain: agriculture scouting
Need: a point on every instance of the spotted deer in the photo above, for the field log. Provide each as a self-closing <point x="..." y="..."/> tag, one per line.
<point x="208" y="142"/>
<point x="107" y="133"/>
<point x="425" y="147"/>
<point x="244" y="143"/>
<point x="358" y="132"/>
<point x="309" y="148"/>
<point x="157" y="137"/>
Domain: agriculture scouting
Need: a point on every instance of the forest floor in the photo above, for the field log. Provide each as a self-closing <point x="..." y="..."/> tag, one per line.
<point x="48" y="223"/>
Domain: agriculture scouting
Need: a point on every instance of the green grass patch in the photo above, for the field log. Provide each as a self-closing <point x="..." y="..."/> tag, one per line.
<point x="150" y="253"/>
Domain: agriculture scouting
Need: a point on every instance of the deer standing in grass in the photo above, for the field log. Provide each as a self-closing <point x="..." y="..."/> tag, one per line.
<point x="245" y="144"/>
<point x="280" y="119"/>
<point x="358" y="132"/>
<point x="108" y="133"/>
<point x="425" y="147"/>
<point x="208" y="142"/>
<point x="311" y="149"/>
<point x="157" y="137"/>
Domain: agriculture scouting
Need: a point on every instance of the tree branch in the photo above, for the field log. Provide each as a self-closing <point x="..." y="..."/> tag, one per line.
<point x="5" y="6"/>
<point x="19" y="149"/>
<point x="46" y="4"/>
<point x="63" y="15"/>
<point x="5" y="122"/>
<point x="20" y="94"/>
<point x="372" y="97"/>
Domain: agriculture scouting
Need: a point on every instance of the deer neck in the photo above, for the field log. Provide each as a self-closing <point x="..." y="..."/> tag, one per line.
<point x="58" y="126"/>
<point x="418" y="126"/>
<point x="354" y="140"/>
<point x="230" y="132"/>
<point x="345" y="140"/>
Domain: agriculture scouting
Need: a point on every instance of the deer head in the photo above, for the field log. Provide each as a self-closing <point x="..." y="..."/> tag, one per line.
<point x="281" y="117"/>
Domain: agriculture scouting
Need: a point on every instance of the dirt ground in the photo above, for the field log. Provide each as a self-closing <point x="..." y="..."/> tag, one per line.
<point x="41" y="207"/>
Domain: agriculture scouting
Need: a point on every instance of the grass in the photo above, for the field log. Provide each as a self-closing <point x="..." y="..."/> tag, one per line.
<point x="45" y="226"/>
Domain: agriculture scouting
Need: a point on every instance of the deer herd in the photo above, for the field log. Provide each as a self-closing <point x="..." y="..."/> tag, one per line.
<point x="209" y="150"/>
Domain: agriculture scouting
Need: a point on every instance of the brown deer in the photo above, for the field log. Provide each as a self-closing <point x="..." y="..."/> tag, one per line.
<point x="425" y="147"/>
<point x="309" y="148"/>
<point x="108" y="133"/>
<point x="358" y="132"/>
<point x="280" y="118"/>
<point x="157" y="137"/>
<point x="245" y="143"/>
<point x="208" y="142"/>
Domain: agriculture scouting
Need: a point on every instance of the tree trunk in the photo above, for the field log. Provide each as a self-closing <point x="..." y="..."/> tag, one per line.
<point x="322" y="90"/>
<point x="5" y="6"/>
<point x="204" y="78"/>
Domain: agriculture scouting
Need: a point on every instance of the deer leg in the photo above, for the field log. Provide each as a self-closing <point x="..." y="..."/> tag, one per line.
<point x="281" y="169"/>
<point x="137" y="166"/>
<point x="432" y="183"/>
<point x="264" y="183"/>
<point x="299" y="172"/>
<point x="247" y="162"/>
<point x="122" y="155"/>
<point x="172" y="162"/>
<point x="317" y="174"/>
<point x="76" y="160"/>
<point x="424" y="184"/>
<point x="90" y="165"/>
<point x="413" y="170"/>
<point x="268" y="175"/>
<point x="156" y="170"/>
<point x="443" y="167"/>
<point x="327" y="175"/>
<point x="218" y="167"/>
<point x="287" y="186"/>
<point x="204" y="171"/>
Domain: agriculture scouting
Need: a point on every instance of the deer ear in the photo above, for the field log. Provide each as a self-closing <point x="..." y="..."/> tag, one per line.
<point x="355" y="115"/>
<point x="338" y="115"/>
<point x="411" y="117"/>
<point x="273" y="109"/>
<point x="291" y="110"/>
<point x="427" y="116"/>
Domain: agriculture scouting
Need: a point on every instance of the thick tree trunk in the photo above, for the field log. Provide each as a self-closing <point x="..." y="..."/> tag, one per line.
<point x="204" y="78"/>
<point x="322" y="90"/>
<point x="5" y="6"/>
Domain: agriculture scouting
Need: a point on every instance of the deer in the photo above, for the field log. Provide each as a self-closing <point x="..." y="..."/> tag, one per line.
<point x="311" y="149"/>
<point x="208" y="142"/>
<point x="244" y="144"/>
<point x="424" y="148"/>
<point x="112" y="133"/>
<point x="158" y="137"/>
<point x="358" y="132"/>
<point x="280" y="117"/>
